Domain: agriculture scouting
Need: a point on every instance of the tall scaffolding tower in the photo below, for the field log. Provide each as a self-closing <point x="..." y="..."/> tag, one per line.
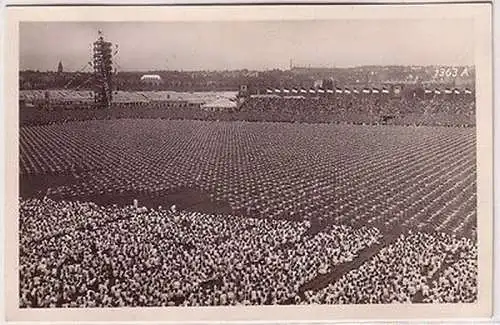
<point x="103" y="72"/>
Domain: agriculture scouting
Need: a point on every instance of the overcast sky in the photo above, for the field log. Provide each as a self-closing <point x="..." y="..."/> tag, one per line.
<point x="250" y="45"/>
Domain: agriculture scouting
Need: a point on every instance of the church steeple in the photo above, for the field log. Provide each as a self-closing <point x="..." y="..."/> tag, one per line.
<point x="60" y="67"/>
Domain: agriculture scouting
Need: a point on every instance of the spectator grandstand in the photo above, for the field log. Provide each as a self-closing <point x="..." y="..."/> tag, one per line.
<point x="440" y="110"/>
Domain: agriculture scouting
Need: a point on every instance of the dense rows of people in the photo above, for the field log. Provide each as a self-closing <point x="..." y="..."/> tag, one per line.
<point x="162" y="257"/>
<point x="417" y="267"/>
<point x="381" y="176"/>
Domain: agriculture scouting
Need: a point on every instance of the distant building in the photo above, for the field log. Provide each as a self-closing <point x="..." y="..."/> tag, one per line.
<point x="60" y="67"/>
<point x="151" y="79"/>
<point x="220" y="105"/>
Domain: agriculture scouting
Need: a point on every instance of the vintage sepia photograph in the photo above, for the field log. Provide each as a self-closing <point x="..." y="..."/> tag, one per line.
<point x="246" y="163"/>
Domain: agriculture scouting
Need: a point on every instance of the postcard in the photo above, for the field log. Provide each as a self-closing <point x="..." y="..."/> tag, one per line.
<point x="248" y="163"/>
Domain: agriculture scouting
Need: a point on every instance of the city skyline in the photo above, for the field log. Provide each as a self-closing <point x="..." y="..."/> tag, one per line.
<point x="255" y="46"/>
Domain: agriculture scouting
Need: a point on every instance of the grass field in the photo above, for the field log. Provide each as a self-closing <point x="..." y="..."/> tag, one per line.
<point x="383" y="176"/>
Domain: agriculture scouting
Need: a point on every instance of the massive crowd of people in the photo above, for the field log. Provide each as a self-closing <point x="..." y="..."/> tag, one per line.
<point x="161" y="257"/>
<point x="417" y="267"/>
<point x="77" y="254"/>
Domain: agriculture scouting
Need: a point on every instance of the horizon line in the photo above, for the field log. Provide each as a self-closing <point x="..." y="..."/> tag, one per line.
<point x="270" y="69"/>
